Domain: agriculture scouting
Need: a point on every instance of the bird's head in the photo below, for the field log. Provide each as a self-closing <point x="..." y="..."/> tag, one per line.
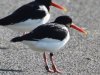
<point x="49" y="3"/>
<point x="67" y="21"/>
<point x="45" y="2"/>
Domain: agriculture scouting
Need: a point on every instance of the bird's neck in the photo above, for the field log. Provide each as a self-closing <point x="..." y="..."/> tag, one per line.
<point x="47" y="5"/>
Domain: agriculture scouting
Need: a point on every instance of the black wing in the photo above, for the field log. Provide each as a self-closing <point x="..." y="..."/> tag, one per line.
<point x="43" y="31"/>
<point x="29" y="11"/>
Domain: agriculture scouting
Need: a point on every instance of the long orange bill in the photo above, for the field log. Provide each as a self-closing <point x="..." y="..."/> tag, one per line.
<point x="58" y="6"/>
<point x="78" y="28"/>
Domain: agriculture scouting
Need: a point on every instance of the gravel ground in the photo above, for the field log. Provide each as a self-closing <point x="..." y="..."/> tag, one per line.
<point x="80" y="56"/>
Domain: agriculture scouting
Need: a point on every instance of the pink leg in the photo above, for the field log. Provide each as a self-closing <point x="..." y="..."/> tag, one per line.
<point x="46" y="65"/>
<point x="53" y="64"/>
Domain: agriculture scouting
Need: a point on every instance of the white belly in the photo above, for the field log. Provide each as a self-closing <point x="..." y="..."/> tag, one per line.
<point x="29" y="25"/>
<point x="46" y="44"/>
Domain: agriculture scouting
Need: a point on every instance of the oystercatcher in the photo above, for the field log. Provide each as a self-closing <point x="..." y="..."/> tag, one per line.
<point x="49" y="37"/>
<point x="29" y="16"/>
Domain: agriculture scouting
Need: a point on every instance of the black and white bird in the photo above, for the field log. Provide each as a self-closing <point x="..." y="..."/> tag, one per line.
<point x="29" y="16"/>
<point x="49" y="37"/>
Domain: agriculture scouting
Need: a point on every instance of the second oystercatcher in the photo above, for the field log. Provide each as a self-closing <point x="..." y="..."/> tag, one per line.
<point x="29" y="16"/>
<point x="49" y="37"/>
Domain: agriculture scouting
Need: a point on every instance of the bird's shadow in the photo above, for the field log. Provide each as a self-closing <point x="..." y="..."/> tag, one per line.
<point x="4" y="48"/>
<point x="12" y="70"/>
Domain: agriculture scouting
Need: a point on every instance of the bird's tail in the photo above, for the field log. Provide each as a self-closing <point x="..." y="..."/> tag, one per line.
<point x="6" y="21"/>
<point x="16" y="39"/>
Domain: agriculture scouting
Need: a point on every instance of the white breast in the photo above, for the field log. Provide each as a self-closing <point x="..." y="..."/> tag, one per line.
<point x="47" y="44"/>
<point x="30" y="24"/>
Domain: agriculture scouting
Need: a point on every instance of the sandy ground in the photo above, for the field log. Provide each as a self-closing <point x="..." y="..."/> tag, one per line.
<point x="80" y="56"/>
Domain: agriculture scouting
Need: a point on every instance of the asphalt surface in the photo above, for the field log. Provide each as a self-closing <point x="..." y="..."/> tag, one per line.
<point x="80" y="56"/>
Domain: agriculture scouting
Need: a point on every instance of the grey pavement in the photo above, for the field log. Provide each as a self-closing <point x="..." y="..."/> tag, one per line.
<point x="80" y="56"/>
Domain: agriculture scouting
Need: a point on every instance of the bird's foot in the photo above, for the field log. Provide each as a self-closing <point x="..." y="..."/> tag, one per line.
<point x="55" y="69"/>
<point x="48" y="69"/>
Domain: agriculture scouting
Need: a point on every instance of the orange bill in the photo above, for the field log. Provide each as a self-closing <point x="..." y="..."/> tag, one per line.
<point x="58" y="6"/>
<point x="78" y="28"/>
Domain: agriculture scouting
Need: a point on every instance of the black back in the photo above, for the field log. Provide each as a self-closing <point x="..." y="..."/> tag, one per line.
<point x="28" y="11"/>
<point x="43" y="31"/>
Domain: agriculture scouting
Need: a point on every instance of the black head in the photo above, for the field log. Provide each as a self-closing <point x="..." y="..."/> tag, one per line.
<point x="45" y="2"/>
<point x="49" y="3"/>
<point x="65" y="20"/>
